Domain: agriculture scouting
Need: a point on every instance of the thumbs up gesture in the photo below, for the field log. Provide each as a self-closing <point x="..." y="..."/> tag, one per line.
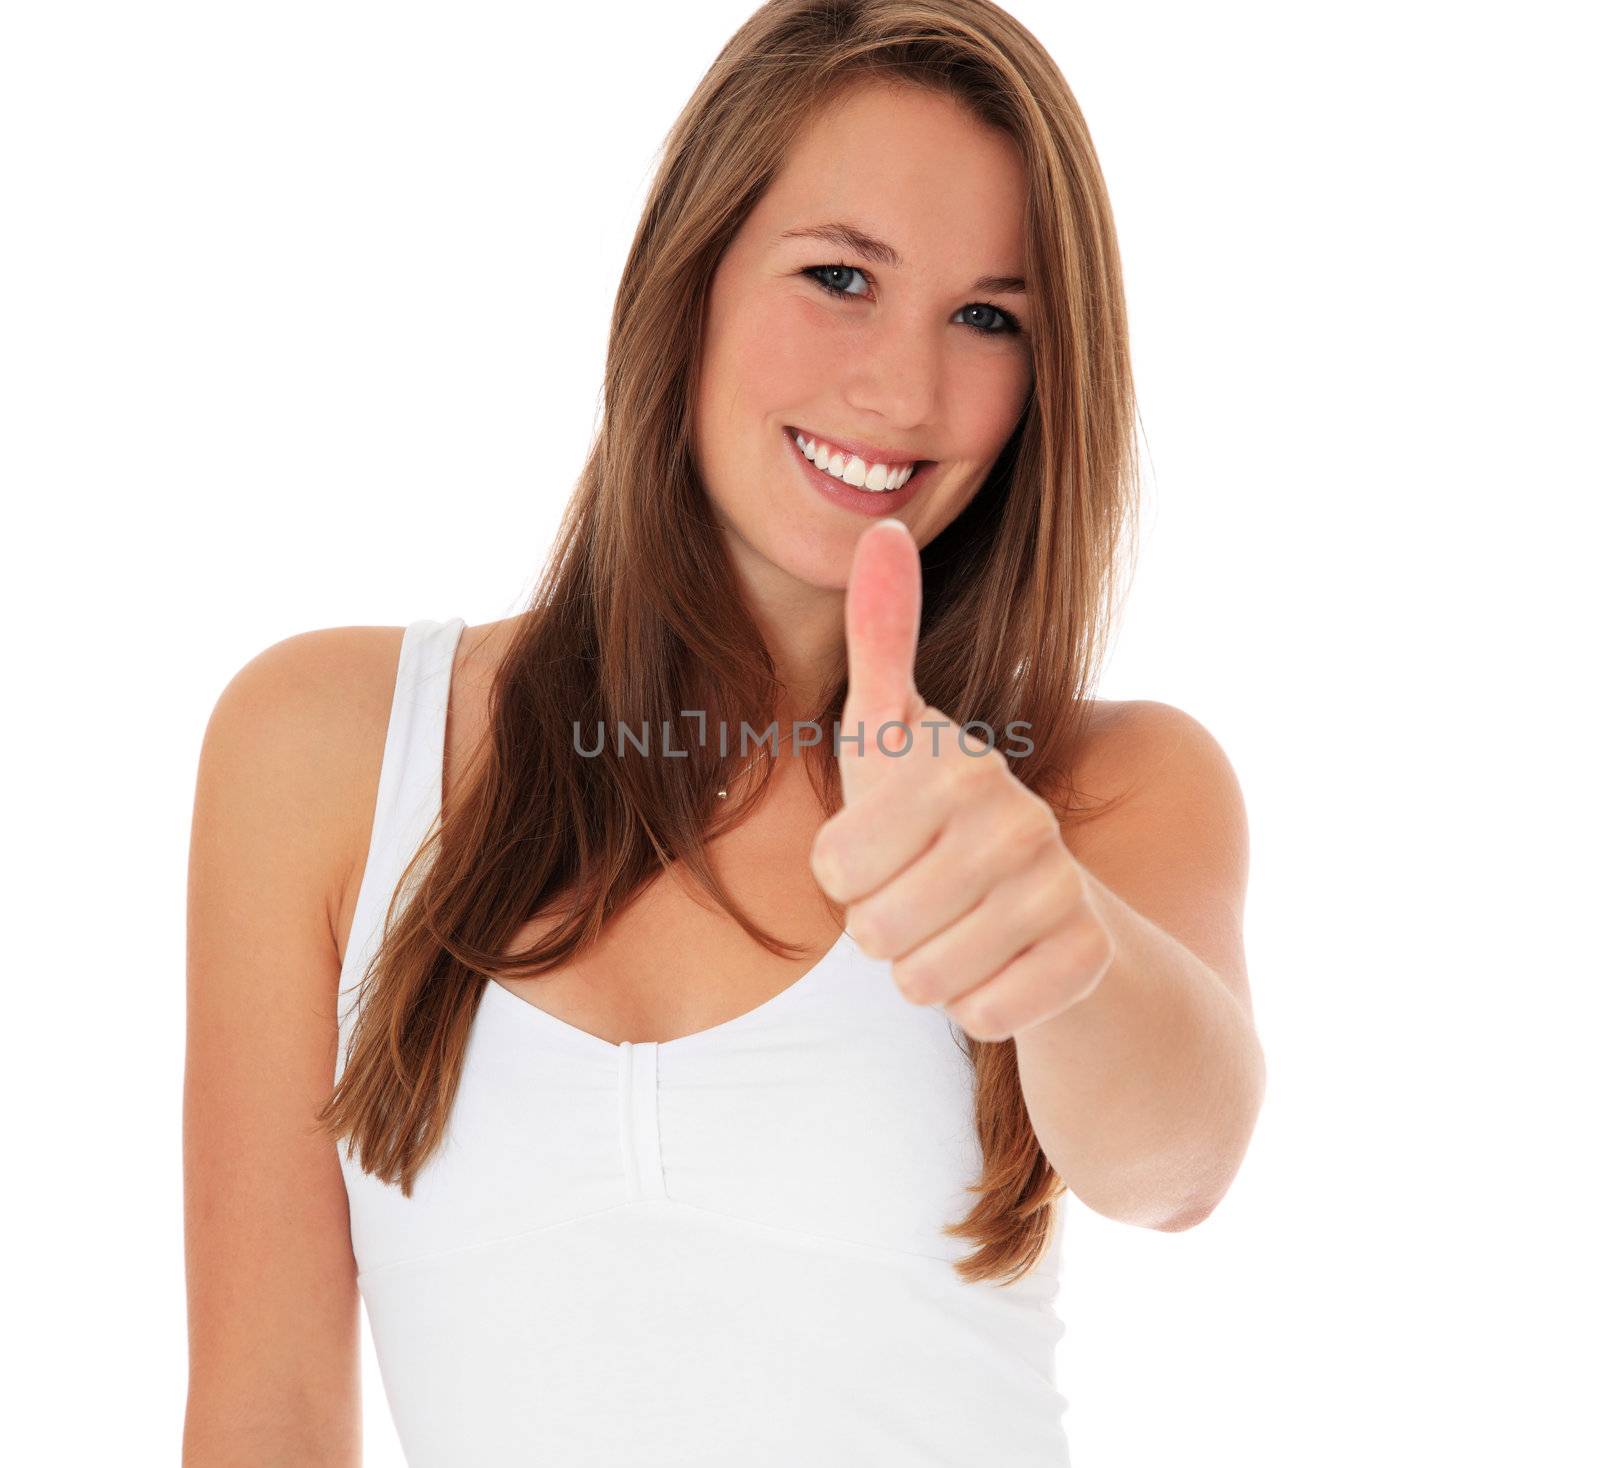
<point x="946" y="863"/>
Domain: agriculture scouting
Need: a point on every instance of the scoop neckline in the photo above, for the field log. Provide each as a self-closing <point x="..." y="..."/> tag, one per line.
<point x="530" y="1014"/>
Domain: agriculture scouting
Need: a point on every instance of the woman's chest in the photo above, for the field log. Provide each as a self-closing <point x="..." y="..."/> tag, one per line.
<point x="666" y="969"/>
<point x="838" y="1112"/>
<point x="672" y="964"/>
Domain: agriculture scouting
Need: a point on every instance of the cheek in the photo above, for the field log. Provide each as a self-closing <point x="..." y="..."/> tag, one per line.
<point x="986" y="400"/>
<point x="991" y="398"/>
<point x="779" y="357"/>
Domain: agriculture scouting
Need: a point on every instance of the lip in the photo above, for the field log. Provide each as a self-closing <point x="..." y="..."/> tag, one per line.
<point x="847" y="496"/>
<point x="868" y="453"/>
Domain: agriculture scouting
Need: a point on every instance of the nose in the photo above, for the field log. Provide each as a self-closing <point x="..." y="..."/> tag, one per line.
<point x="892" y="372"/>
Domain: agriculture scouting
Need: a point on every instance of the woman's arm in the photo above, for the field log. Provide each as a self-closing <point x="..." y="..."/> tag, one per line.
<point x="1145" y="1094"/>
<point x="274" y="1339"/>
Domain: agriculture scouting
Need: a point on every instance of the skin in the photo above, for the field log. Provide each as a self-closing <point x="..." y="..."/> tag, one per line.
<point x="1113" y="953"/>
<point x="1141" y="1071"/>
<point x="1136" y="1050"/>
<point x="902" y="362"/>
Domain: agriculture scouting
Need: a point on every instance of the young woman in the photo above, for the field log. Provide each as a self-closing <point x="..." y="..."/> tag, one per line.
<point x="670" y="1098"/>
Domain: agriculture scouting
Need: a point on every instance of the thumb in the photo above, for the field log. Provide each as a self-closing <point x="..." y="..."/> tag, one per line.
<point x="883" y="611"/>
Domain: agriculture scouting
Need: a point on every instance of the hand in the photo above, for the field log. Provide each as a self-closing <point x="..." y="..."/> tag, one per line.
<point x="947" y="864"/>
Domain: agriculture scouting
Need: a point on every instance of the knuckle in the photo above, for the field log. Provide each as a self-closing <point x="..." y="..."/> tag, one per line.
<point x="980" y="1019"/>
<point x="952" y="777"/>
<point x="1094" y="947"/>
<point x="986" y="765"/>
<point x="828" y="865"/>
<point x="1077" y="951"/>
<point x="1021" y="828"/>
<point x="916" y="980"/>
<point x="867" y="929"/>
<point x="1039" y="909"/>
<point x="1038" y="821"/>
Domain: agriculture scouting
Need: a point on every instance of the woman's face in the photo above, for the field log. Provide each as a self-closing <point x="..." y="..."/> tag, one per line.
<point x="905" y="361"/>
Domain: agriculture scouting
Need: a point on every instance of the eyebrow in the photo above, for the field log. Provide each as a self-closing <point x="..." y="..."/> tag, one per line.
<point x="848" y="237"/>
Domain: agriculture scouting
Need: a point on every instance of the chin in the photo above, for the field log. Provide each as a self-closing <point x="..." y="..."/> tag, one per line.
<point x="809" y="554"/>
<point x="824" y="568"/>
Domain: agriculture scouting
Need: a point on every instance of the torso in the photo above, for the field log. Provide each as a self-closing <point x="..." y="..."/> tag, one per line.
<point x="668" y="965"/>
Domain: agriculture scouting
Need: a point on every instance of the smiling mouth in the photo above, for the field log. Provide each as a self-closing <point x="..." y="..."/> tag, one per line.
<point x="852" y="465"/>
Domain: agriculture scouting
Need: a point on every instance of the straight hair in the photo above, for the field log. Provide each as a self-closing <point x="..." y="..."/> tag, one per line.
<point x="636" y="615"/>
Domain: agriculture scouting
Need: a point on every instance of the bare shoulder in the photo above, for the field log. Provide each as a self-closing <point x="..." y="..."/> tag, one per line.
<point x="313" y="683"/>
<point x="289" y="755"/>
<point x="1165" y="826"/>
<point x="302" y="725"/>
<point x="1141" y="744"/>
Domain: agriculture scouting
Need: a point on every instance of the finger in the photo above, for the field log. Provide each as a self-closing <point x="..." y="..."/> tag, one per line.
<point x="883" y="610"/>
<point x="883" y="830"/>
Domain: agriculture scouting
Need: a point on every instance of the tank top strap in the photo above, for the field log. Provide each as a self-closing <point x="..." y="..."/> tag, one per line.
<point x="410" y="793"/>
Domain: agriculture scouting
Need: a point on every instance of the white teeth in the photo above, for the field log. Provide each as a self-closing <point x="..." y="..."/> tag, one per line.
<point x="853" y="470"/>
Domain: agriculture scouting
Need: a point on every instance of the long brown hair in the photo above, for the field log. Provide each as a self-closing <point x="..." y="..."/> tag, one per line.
<point x="636" y="615"/>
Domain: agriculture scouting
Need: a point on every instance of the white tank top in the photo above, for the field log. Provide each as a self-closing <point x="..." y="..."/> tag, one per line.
<point x="718" y="1250"/>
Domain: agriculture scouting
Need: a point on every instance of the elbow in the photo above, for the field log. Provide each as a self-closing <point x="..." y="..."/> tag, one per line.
<point x="1202" y="1204"/>
<point x="1187" y="1217"/>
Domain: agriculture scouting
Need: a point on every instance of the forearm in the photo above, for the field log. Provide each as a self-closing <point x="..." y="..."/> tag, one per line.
<point x="1144" y="1094"/>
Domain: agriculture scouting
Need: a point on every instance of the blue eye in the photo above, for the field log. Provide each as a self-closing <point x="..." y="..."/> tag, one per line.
<point x="1007" y="324"/>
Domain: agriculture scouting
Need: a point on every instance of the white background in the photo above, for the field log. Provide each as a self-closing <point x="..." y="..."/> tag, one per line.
<point x="302" y="314"/>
